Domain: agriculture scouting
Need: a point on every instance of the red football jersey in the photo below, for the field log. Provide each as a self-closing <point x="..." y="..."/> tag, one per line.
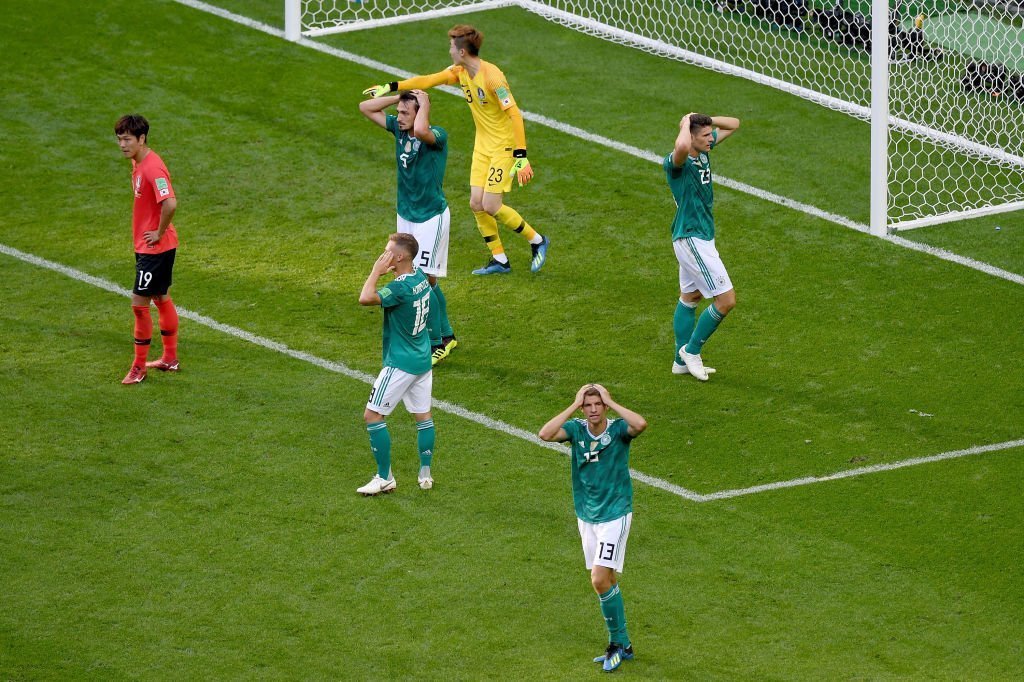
<point x="152" y="185"/>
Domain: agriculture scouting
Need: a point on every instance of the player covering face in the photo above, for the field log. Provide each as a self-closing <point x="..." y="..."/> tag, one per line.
<point x="499" y="150"/>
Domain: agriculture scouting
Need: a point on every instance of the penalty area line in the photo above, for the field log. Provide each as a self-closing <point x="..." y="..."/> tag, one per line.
<point x="609" y="143"/>
<point x="337" y="367"/>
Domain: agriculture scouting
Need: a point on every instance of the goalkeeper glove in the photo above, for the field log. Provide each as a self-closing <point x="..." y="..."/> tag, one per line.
<point x="381" y="90"/>
<point x="521" y="167"/>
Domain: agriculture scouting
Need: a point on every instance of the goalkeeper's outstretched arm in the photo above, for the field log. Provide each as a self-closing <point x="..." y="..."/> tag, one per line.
<point x="445" y="77"/>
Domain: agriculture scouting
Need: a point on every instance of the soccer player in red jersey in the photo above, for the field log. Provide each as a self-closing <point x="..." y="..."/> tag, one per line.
<point x="155" y="244"/>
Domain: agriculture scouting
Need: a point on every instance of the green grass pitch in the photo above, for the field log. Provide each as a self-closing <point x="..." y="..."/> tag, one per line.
<point x="205" y="526"/>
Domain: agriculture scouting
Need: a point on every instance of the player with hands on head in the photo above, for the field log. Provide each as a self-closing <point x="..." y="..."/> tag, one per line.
<point x="602" y="492"/>
<point x="702" y="273"/>
<point x="499" y="150"/>
<point x="421" y="155"/>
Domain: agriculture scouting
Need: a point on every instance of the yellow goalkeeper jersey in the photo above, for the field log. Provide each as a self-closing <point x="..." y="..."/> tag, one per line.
<point x="489" y="98"/>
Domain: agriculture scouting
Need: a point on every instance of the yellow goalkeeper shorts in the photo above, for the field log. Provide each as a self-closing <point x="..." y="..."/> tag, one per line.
<point x="490" y="170"/>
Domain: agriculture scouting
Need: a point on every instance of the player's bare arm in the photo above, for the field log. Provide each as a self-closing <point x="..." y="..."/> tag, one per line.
<point x="383" y="264"/>
<point x="552" y="432"/>
<point x="373" y="109"/>
<point x="167" y="208"/>
<point x="421" y="125"/>
<point x="683" y="142"/>
<point x="726" y="126"/>
<point x="637" y="424"/>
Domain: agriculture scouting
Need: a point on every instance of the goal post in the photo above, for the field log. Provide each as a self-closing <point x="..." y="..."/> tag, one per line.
<point x="941" y="82"/>
<point x="878" y="223"/>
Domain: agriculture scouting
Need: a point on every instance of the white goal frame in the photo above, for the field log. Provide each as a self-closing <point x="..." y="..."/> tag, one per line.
<point x="881" y="122"/>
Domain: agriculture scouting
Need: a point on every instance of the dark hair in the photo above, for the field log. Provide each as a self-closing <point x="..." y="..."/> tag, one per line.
<point x="593" y="391"/>
<point x="467" y="38"/>
<point x="409" y="97"/>
<point x="132" y="124"/>
<point x="698" y="121"/>
<point x="406" y="242"/>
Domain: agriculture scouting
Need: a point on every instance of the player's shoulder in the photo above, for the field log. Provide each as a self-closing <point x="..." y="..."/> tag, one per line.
<point x="456" y="69"/>
<point x="153" y="164"/>
<point x="491" y="71"/>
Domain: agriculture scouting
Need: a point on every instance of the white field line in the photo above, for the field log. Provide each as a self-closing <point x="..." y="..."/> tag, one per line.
<point x="338" y="367"/>
<point x="875" y="468"/>
<point x="489" y="422"/>
<point x="619" y="146"/>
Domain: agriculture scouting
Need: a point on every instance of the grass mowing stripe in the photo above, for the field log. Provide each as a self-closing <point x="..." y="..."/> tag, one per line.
<point x="622" y="147"/>
<point x="340" y="368"/>
<point x="495" y="424"/>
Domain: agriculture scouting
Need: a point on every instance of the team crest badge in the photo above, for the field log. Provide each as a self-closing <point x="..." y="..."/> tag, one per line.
<point x="481" y="96"/>
<point x="415" y="145"/>
<point x="703" y="157"/>
<point x="606" y="439"/>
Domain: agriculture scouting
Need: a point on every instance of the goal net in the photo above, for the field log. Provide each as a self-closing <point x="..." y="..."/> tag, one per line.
<point x="955" y="75"/>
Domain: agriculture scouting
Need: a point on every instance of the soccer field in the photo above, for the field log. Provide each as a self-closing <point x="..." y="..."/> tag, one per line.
<point x="204" y="525"/>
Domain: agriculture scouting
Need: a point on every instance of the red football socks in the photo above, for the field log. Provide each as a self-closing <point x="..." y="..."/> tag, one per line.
<point x="143" y="333"/>
<point x="168" y="321"/>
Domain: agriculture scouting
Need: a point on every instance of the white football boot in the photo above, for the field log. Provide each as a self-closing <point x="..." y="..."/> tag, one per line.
<point x="377" y="485"/>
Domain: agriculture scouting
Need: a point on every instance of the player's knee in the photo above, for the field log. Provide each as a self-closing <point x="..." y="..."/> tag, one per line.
<point x="370" y="417"/>
<point x="726" y="303"/>
<point x="476" y="204"/>
<point x="601" y="582"/>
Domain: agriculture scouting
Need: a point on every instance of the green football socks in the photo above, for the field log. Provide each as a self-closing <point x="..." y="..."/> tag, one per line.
<point x="707" y="323"/>
<point x="682" y="324"/>
<point x="434" y="318"/>
<point x="614" y="612"/>
<point x="442" y="309"/>
<point x="425" y="440"/>
<point x="380" y="443"/>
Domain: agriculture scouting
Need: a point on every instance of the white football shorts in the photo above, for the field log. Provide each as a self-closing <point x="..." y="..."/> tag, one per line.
<point x="604" y="544"/>
<point x="393" y="384"/>
<point x="432" y="236"/>
<point x="700" y="267"/>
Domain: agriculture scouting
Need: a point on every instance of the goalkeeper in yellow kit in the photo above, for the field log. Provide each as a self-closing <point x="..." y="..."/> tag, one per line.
<point x="499" y="150"/>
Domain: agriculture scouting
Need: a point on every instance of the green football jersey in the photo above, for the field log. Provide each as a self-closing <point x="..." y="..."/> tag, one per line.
<point x="420" y="173"/>
<point x="691" y="188"/>
<point x="406" y="304"/>
<point x="601" y="487"/>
